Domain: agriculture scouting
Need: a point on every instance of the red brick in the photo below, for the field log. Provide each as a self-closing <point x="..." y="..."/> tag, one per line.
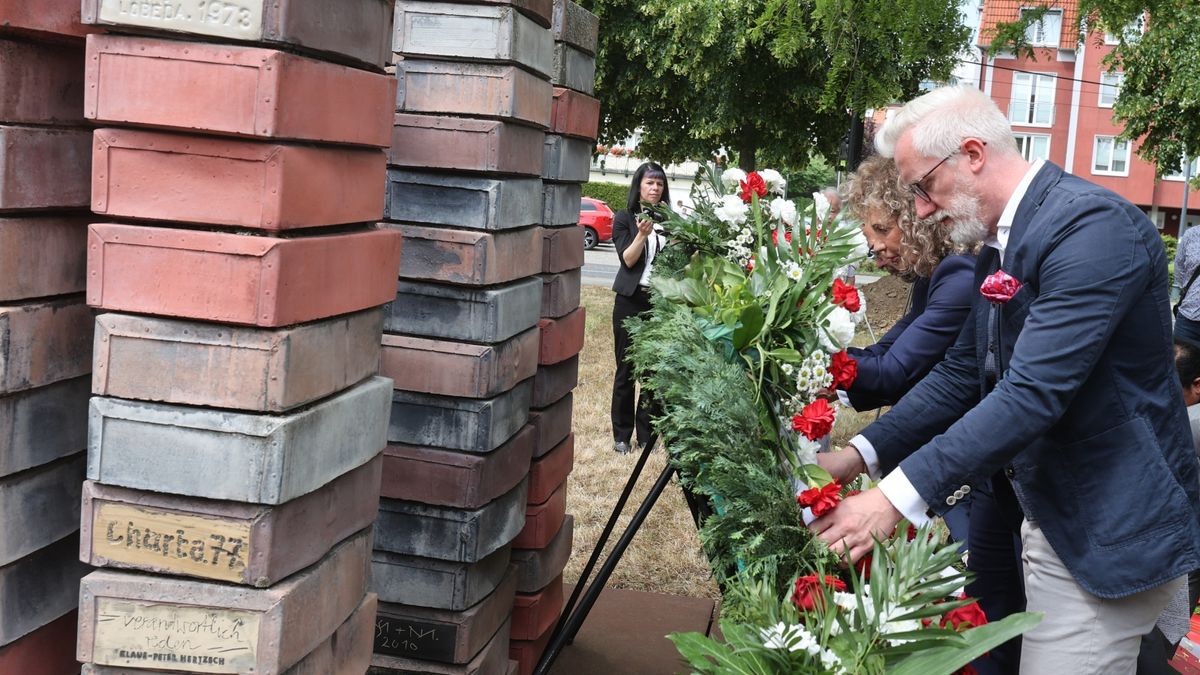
<point x="575" y="114"/>
<point x="551" y="383"/>
<point x="55" y="19"/>
<point x="44" y="168"/>
<point x="426" y="141"/>
<point x="562" y="249"/>
<point x="61" y="260"/>
<point x="456" y="479"/>
<point x="49" y="650"/>
<point x="244" y="91"/>
<point x="41" y="83"/>
<point x="354" y="30"/>
<point x="469" y="257"/>
<point x="553" y="423"/>
<point x="537" y="567"/>
<point x="562" y="338"/>
<point x="535" y="613"/>
<point x="550" y="471"/>
<point x="257" y="281"/>
<point x="458" y="368"/>
<point x="543" y="521"/>
<point x="223" y="181"/>
<point x="527" y="652"/>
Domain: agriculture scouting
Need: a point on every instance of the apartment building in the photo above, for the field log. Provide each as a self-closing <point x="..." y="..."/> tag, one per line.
<point x="1059" y="102"/>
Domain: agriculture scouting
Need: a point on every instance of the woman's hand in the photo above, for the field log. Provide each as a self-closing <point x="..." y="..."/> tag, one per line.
<point x="645" y="227"/>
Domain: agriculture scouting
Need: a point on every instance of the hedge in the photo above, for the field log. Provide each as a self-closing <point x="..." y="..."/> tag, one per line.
<point x="613" y="194"/>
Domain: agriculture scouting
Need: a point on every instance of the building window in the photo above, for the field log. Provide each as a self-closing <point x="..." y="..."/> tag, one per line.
<point x="1110" y="156"/>
<point x="1032" y="99"/>
<point x="1044" y="32"/>
<point x="1110" y="87"/>
<point x="1177" y="172"/>
<point x="1132" y="32"/>
<point x="1033" y="146"/>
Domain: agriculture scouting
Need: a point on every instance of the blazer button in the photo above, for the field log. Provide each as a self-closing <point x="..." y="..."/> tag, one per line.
<point x="966" y="489"/>
<point x="958" y="494"/>
<point x="1010" y="472"/>
<point x="951" y="500"/>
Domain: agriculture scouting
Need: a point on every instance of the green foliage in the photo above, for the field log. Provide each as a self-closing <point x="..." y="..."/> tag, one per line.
<point x="874" y="629"/>
<point x="613" y="194"/>
<point x="1158" y="101"/>
<point x="711" y="422"/>
<point x="815" y="176"/>
<point x="1171" y="244"/>
<point x="770" y="80"/>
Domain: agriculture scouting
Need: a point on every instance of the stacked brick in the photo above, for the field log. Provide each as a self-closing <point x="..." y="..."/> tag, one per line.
<point x="463" y="341"/>
<point x="45" y="332"/>
<point x="545" y="544"/>
<point x="236" y="432"/>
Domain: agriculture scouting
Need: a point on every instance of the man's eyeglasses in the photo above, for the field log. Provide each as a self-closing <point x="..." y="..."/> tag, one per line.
<point x="917" y="189"/>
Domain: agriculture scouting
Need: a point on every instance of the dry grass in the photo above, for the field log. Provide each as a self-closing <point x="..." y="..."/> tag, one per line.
<point x="665" y="556"/>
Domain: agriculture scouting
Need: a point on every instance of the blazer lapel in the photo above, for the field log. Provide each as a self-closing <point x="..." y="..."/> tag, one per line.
<point x="1047" y="177"/>
<point x="987" y="263"/>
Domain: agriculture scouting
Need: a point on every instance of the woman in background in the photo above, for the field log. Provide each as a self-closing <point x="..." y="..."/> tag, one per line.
<point x="637" y="239"/>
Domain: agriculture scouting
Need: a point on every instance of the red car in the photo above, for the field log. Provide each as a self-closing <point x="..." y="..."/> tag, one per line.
<point x="597" y="220"/>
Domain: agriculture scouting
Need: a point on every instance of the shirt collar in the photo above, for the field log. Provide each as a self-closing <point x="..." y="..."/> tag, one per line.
<point x="1004" y="226"/>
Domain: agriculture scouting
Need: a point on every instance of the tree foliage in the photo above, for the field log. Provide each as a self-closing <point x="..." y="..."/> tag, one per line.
<point x="770" y="80"/>
<point x="1159" y="101"/>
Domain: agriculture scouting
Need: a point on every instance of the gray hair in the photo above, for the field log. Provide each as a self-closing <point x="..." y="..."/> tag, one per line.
<point x="941" y="120"/>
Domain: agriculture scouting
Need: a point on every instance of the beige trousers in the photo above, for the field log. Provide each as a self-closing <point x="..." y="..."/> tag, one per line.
<point x="1081" y="634"/>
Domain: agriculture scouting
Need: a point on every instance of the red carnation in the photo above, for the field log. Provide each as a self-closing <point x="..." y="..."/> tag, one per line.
<point x="863" y="566"/>
<point x="846" y="295"/>
<point x="822" y="499"/>
<point x="963" y="618"/>
<point x="787" y="236"/>
<point x="753" y="185"/>
<point x="808" y="593"/>
<point x="815" y="420"/>
<point x="844" y="369"/>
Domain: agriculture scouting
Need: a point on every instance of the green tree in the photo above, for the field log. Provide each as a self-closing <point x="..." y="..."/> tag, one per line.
<point x="1159" y="100"/>
<point x="769" y="80"/>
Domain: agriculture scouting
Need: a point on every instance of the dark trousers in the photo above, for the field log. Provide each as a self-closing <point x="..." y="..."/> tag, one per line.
<point x="628" y="409"/>
<point x="995" y="560"/>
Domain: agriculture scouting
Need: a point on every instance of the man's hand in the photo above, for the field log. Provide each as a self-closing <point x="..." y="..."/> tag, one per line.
<point x="844" y="465"/>
<point x="857" y="521"/>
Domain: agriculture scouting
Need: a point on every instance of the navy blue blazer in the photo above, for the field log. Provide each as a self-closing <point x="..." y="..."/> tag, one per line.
<point x="919" y="340"/>
<point x="1087" y="420"/>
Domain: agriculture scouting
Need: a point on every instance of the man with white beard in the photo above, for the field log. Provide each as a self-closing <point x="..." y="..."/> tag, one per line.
<point x="1059" y="396"/>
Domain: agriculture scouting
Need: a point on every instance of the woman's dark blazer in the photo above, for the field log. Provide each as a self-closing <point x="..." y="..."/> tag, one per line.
<point x="919" y="340"/>
<point x="624" y="230"/>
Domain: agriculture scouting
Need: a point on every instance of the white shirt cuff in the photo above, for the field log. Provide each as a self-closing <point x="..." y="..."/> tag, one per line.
<point x="901" y="493"/>
<point x="844" y="399"/>
<point x="867" y="452"/>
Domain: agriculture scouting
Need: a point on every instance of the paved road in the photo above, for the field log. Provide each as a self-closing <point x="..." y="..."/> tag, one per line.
<point x="600" y="265"/>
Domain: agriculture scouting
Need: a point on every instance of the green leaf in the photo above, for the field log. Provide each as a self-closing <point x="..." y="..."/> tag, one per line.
<point x="979" y="640"/>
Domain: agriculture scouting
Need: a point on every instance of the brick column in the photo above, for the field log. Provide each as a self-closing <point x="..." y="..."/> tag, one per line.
<point x="236" y="429"/>
<point x="45" y="332"/>
<point x="545" y="545"/>
<point x="463" y="342"/>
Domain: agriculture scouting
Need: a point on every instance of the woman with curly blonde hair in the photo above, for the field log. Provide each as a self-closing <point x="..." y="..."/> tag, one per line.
<point x="919" y="252"/>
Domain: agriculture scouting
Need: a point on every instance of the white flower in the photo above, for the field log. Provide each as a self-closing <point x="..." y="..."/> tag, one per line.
<point x="839" y="330"/>
<point x="732" y="210"/>
<point x="821" y="202"/>
<point x="787" y="369"/>
<point x="732" y="177"/>
<point x="782" y="636"/>
<point x="861" y="247"/>
<point x="775" y="182"/>
<point x="784" y="210"/>
<point x="793" y="271"/>
<point x="806" y="450"/>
